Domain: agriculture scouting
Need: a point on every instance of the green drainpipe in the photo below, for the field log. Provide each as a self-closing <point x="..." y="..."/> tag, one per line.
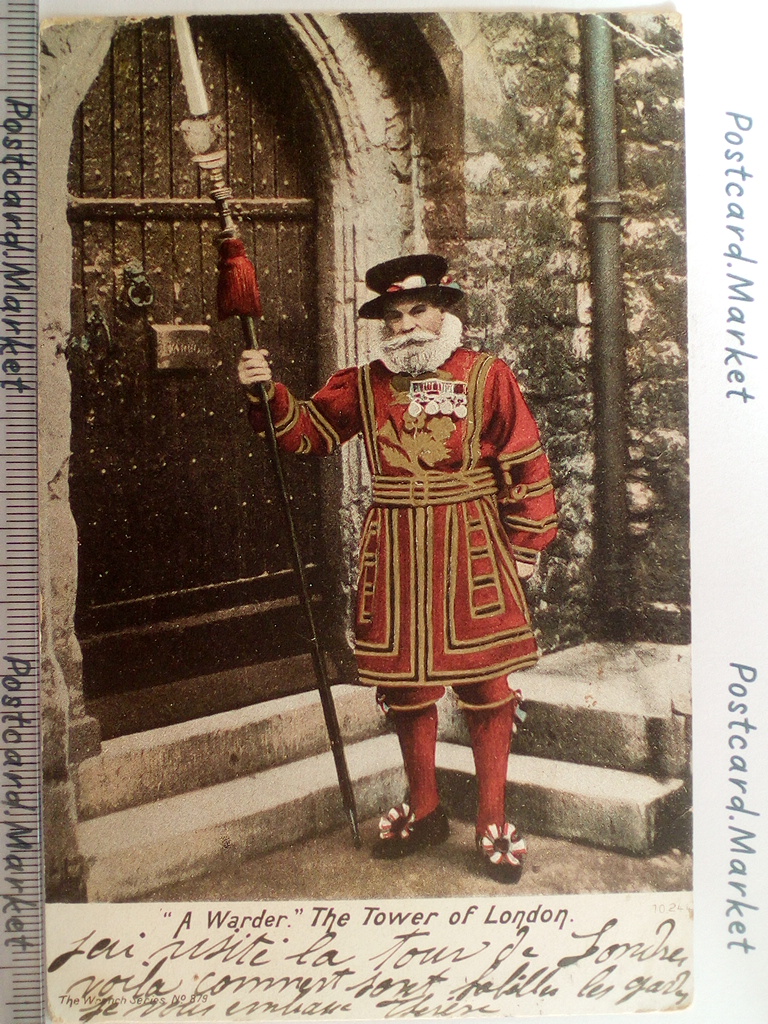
<point x="611" y="560"/>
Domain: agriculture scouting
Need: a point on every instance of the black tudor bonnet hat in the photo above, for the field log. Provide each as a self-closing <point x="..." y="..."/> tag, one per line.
<point x="409" y="276"/>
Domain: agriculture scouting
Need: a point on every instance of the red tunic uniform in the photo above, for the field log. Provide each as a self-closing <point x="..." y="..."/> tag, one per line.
<point x="461" y="490"/>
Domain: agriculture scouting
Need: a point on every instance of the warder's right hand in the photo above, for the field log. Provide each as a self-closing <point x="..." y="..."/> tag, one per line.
<point x="253" y="367"/>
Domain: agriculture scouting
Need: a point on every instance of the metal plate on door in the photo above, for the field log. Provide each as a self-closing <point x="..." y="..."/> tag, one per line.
<point x="183" y="347"/>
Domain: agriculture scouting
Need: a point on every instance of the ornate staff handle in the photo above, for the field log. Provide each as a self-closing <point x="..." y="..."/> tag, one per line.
<point x="214" y="163"/>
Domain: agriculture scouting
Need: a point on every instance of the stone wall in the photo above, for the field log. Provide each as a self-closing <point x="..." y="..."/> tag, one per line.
<point x="526" y="267"/>
<point x="68" y="64"/>
<point x="650" y="125"/>
<point x="649" y="91"/>
<point x="525" y="264"/>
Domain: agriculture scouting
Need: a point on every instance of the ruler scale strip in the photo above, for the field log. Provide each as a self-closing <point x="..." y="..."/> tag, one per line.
<point x="21" y="895"/>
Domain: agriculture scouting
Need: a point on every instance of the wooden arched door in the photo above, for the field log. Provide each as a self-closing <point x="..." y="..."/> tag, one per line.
<point x="184" y="571"/>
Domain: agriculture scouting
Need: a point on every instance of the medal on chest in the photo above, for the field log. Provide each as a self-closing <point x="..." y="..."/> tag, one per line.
<point x="434" y="396"/>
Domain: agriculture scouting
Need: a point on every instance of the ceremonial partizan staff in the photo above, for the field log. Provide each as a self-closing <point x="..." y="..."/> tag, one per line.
<point x="238" y="295"/>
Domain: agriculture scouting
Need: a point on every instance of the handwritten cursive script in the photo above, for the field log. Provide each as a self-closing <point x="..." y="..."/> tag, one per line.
<point x="429" y="959"/>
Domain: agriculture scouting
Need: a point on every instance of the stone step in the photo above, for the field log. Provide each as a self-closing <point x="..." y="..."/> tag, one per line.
<point x="132" y="851"/>
<point x="622" y="706"/>
<point x="616" y="706"/>
<point x="143" y="767"/>
<point x="602" y="806"/>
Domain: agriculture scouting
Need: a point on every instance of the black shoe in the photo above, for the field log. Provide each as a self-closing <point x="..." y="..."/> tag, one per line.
<point x="400" y="835"/>
<point x="503" y="852"/>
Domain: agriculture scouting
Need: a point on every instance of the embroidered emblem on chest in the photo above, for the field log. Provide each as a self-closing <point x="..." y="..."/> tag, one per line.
<point x="434" y="396"/>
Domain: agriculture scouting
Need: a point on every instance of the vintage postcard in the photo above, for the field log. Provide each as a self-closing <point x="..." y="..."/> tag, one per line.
<point x="365" y="383"/>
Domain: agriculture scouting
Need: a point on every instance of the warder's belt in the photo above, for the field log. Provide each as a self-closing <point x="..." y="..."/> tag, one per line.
<point x="433" y="488"/>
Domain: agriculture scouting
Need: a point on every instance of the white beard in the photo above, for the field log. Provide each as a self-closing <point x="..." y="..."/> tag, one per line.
<point x="421" y="350"/>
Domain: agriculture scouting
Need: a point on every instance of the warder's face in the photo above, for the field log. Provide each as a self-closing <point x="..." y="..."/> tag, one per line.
<point x="406" y="317"/>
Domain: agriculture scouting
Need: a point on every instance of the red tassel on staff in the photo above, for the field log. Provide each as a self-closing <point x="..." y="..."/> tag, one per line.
<point x="238" y="290"/>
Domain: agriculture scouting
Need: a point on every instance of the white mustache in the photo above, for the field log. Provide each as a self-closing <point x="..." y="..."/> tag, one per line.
<point x="396" y="342"/>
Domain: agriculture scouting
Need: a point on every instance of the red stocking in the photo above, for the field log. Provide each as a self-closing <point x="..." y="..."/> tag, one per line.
<point x="417" y="732"/>
<point x="491" y="732"/>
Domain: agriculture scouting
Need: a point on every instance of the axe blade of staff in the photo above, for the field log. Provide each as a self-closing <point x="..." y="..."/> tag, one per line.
<point x="238" y="295"/>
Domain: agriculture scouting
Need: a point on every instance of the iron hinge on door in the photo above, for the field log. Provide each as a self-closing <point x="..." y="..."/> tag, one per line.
<point x="97" y="339"/>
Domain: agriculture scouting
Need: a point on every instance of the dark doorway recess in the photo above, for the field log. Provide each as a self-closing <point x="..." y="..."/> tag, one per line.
<point x="184" y="570"/>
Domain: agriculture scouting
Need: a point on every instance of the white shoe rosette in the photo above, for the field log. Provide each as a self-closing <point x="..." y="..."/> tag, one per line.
<point x="397" y="823"/>
<point x="503" y="845"/>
